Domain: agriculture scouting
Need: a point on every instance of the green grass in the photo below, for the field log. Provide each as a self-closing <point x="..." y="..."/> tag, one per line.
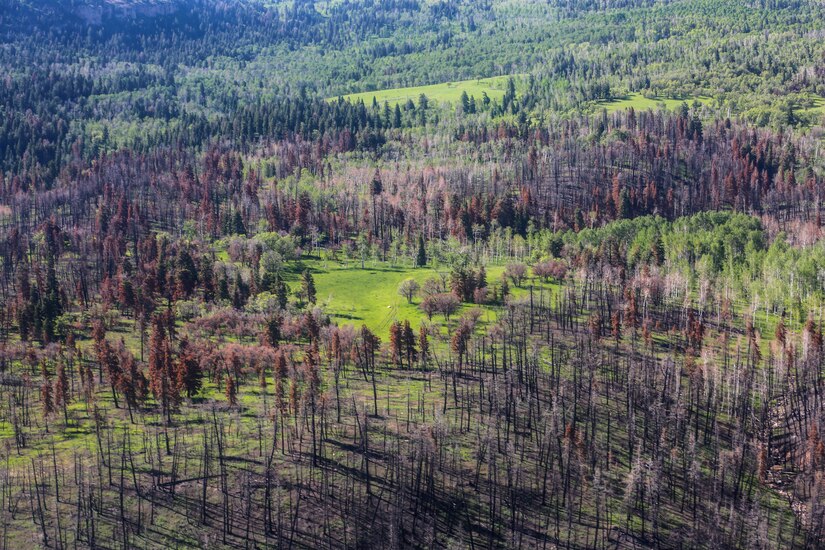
<point x="449" y="92"/>
<point x="816" y="107"/>
<point x="369" y="296"/>
<point x="642" y="103"/>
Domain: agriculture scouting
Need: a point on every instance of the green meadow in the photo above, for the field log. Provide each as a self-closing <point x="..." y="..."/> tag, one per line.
<point x="814" y="105"/>
<point x="641" y="103"/>
<point x="369" y="296"/>
<point x="449" y="92"/>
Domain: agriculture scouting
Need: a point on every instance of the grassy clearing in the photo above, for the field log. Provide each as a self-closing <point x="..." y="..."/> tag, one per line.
<point x="449" y="92"/>
<point x="369" y="296"/>
<point x="815" y="106"/>
<point x="642" y="103"/>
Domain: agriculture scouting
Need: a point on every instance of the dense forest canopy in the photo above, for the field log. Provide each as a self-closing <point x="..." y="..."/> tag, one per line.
<point x="412" y="273"/>
<point x="85" y="77"/>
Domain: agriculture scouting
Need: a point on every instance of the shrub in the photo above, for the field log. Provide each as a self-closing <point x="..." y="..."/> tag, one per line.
<point x="516" y="272"/>
<point x="550" y="269"/>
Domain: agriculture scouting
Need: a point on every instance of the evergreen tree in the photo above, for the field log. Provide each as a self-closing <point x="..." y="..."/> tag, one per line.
<point x="50" y="307"/>
<point x="308" y="286"/>
<point x="376" y="188"/>
<point x="238" y="226"/>
<point x="189" y="375"/>
<point x="231" y="391"/>
<point x="186" y="274"/>
<point x="281" y="292"/>
<point x="396" y="121"/>
<point x="625" y="208"/>
<point x="46" y="397"/>
<point x="421" y="256"/>
<point x="161" y="378"/>
<point x="423" y="343"/>
<point x="408" y="341"/>
<point x="61" y="390"/>
<point x="273" y="331"/>
<point x="396" y="343"/>
<point x="481" y="278"/>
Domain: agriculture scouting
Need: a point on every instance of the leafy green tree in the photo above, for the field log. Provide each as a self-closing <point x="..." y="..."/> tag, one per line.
<point x="362" y="245"/>
<point x="270" y="266"/>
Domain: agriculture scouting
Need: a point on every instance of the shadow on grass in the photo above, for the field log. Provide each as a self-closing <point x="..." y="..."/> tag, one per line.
<point x="346" y="316"/>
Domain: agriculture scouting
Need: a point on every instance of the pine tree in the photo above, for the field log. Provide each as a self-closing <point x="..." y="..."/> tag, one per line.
<point x="308" y="286"/>
<point x="160" y="368"/>
<point x="46" y="397"/>
<point x="61" y="391"/>
<point x="186" y="274"/>
<point x="273" y="331"/>
<point x="50" y="306"/>
<point x="241" y="292"/>
<point x="281" y="292"/>
<point x="780" y="332"/>
<point x="312" y="376"/>
<point x="279" y="374"/>
<point x="238" y="226"/>
<point x="408" y="340"/>
<point x="625" y="211"/>
<point x="459" y="341"/>
<point x="657" y="250"/>
<point x="396" y="342"/>
<point x="231" y="391"/>
<point x="364" y="355"/>
<point x="109" y="361"/>
<point x="423" y="343"/>
<point x="505" y="288"/>
<point x="311" y="327"/>
<point x="481" y="278"/>
<point x="189" y="375"/>
<point x="336" y="358"/>
<point x="376" y="188"/>
<point x="396" y="121"/>
<point x="421" y="257"/>
<point x="465" y="102"/>
<point x="133" y="384"/>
